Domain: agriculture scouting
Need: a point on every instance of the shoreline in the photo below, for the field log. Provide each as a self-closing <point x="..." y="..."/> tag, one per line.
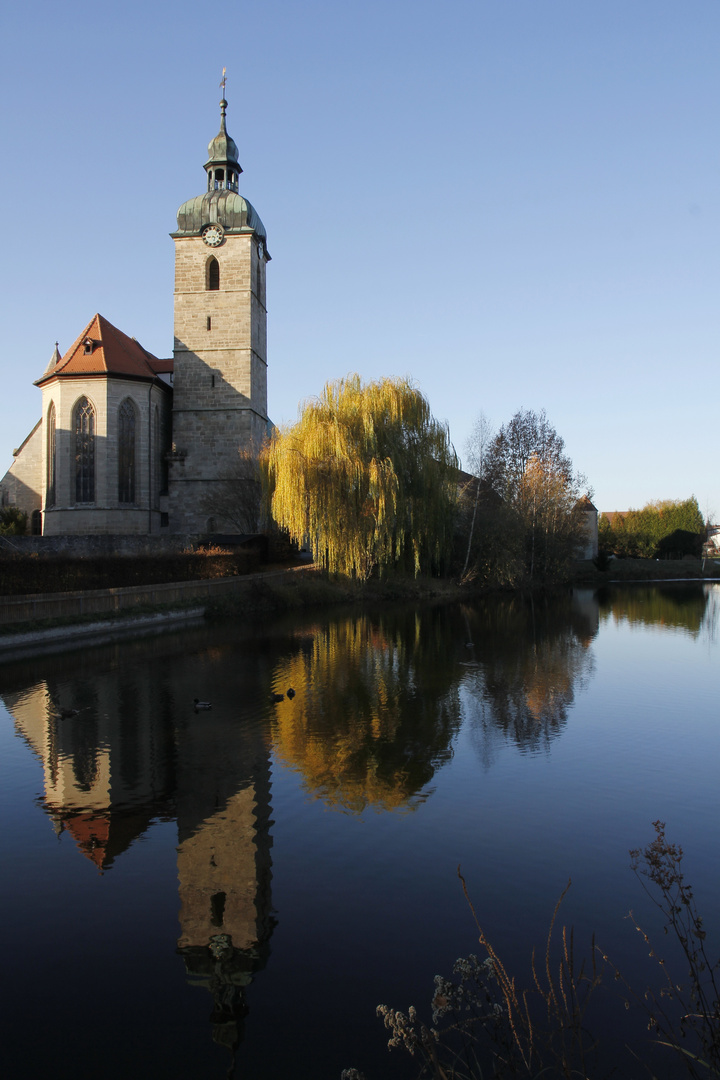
<point x="272" y="591"/>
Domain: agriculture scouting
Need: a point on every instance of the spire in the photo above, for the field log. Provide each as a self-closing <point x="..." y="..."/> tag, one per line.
<point x="54" y="360"/>
<point x="222" y="166"/>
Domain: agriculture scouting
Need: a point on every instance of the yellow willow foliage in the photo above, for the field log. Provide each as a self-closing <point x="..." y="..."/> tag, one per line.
<point x="367" y="476"/>
<point x="362" y="731"/>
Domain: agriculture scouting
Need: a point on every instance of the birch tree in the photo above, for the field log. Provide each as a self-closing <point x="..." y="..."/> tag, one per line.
<point x="367" y="476"/>
<point x="477" y="448"/>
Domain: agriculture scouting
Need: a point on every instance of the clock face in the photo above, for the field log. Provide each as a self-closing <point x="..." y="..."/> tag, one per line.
<point x="213" y="235"/>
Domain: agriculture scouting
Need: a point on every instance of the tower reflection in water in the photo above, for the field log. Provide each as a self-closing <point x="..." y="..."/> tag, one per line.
<point x="224" y="864"/>
<point x="122" y="750"/>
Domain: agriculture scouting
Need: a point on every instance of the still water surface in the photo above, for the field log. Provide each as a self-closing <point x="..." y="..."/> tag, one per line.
<point x="232" y="892"/>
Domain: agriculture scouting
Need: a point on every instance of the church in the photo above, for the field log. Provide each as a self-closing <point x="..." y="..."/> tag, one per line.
<point x="129" y="443"/>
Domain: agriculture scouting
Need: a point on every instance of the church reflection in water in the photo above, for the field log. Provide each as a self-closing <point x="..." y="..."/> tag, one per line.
<point x="116" y="758"/>
<point x="224" y="864"/>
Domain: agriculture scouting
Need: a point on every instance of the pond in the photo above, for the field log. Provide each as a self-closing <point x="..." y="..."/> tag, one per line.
<point x="232" y="891"/>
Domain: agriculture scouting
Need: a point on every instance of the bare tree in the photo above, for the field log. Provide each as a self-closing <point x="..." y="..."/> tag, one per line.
<point x="234" y="501"/>
<point x="528" y="435"/>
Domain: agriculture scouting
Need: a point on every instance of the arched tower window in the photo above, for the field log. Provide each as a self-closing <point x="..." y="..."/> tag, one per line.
<point x="84" y="428"/>
<point x="213" y="274"/>
<point x="51" y="457"/>
<point x="126" y="452"/>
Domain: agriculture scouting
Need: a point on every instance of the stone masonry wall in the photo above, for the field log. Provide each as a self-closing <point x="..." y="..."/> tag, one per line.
<point x="123" y="544"/>
<point x="106" y="513"/>
<point x="22" y="484"/>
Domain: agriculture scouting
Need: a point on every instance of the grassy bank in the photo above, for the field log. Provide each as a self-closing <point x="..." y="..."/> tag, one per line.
<point x="319" y="589"/>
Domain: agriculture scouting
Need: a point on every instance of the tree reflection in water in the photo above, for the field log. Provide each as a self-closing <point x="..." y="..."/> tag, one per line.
<point x="683" y="605"/>
<point x="376" y="707"/>
<point x="526" y="659"/>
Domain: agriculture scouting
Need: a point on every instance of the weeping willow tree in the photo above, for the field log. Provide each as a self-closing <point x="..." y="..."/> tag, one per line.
<point x="368" y="476"/>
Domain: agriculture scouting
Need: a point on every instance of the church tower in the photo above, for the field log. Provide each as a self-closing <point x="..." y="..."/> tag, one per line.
<point x="220" y="351"/>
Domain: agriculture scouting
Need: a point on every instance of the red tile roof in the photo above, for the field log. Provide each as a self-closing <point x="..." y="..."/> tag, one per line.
<point x="90" y="831"/>
<point x="162" y="367"/>
<point x="102" y="349"/>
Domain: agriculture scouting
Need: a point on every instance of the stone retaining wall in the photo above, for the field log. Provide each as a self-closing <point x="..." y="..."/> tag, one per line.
<point x="19" y="609"/>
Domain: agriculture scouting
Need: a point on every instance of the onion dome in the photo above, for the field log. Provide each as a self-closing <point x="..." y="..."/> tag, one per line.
<point x="221" y="204"/>
<point x="235" y="214"/>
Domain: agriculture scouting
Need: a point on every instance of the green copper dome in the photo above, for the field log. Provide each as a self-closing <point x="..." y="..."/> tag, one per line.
<point x="221" y="202"/>
<point x="234" y="213"/>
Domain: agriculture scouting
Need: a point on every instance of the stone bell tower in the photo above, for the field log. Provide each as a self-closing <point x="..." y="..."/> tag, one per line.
<point x="220" y="351"/>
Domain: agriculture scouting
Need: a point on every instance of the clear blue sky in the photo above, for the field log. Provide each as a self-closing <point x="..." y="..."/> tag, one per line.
<point x="515" y="202"/>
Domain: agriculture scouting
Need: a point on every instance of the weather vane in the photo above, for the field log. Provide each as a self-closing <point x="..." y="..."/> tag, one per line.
<point x="224" y="80"/>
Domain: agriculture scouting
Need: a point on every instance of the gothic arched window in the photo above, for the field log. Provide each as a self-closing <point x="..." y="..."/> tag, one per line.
<point x="51" y="457"/>
<point x="213" y="274"/>
<point x="84" y="428"/>
<point x="126" y="452"/>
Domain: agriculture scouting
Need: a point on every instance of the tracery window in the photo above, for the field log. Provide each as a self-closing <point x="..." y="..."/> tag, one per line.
<point x="84" y="428"/>
<point x="213" y="274"/>
<point x="51" y="457"/>
<point x="126" y="452"/>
